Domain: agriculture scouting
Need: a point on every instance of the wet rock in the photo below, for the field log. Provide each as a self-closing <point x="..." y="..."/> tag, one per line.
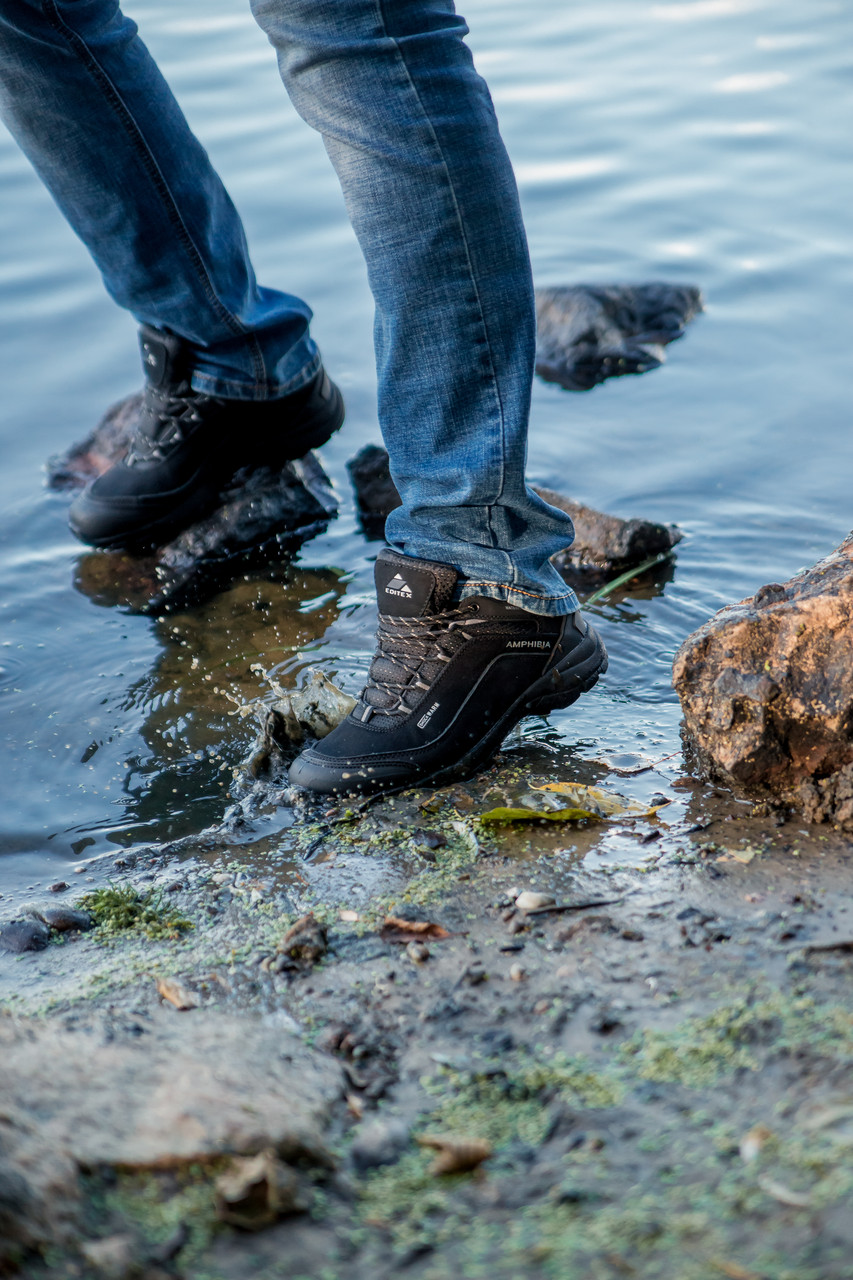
<point x="587" y="333"/>
<point x="608" y="543"/>
<point x="375" y="491"/>
<point x="263" y="513"/>
<point x="24" y="935"/>
<point x="62" y="919"/>
<point x="603" y="543"/>
<point x="379" y="1142"/>
<point x="766" y="687"/>
<point x="189" y="1091"/>
<point x="306" y="940"/>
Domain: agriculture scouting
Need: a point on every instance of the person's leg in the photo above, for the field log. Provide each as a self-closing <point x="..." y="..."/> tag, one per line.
<point x="233" y="377"/>
<point x="477" y="629"/>
<point x="88" y="105"/>
<point x="410" y="128"/>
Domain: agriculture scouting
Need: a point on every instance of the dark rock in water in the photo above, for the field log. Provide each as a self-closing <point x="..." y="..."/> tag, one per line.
<point x="587" y="333"/>
<point x="606" y="542"/>
<point x="24" y="935"/>
<point x="766" y="687"/>
<point x="375" y="492"/>
<point x="62" y="919"/>
<point x="602" y="543"/>
<point x="264" y="513"/>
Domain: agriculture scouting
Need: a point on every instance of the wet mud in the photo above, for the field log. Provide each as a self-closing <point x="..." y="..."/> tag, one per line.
<point x="630" y="1039"/>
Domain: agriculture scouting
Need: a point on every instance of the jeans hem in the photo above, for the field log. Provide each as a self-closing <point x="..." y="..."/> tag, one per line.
<point x="531" y="601"/>
<point x="230" y="388"/>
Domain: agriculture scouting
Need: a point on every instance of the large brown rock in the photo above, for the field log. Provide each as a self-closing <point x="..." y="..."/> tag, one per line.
<point x="766" y="687"/>
<point x="189" y="1088"/>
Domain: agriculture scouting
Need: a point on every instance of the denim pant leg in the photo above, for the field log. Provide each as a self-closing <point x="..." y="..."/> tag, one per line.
<point x="86" y="102"/>
<point x="410" y="128"/>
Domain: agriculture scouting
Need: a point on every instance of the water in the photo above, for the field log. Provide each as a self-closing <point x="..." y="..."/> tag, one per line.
<point x="705" y="142"/>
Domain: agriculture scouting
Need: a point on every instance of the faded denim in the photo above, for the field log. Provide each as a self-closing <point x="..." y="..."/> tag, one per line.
<point x="409" y="126"/>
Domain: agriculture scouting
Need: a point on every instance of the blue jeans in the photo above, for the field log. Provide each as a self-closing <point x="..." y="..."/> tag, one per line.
<point x="409" y="126"/>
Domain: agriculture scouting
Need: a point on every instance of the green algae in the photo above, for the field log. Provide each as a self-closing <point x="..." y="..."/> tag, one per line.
<point x="698" y="1051"/>
<point x="119" y="908"/>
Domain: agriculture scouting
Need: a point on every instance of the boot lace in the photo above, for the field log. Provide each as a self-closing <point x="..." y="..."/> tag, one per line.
<point x="407" y="649"/>
<point x="167" y="419"/>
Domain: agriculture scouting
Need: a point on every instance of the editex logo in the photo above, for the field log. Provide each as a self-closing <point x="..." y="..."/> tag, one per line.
<point x="399" y="587"/>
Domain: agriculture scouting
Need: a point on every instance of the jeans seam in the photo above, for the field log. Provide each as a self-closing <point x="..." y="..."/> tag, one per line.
<point x="380" y="5"/>
<point x="151" y="167"/>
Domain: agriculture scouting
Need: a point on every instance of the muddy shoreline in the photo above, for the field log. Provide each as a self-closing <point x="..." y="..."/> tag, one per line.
<point x="663" y="1079"/>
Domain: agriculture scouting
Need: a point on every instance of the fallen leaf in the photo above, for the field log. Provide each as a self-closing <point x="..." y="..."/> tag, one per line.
<point x="396" y="930"/>
<point x="455" y="1155"/>
<point x="741" y="855"/>
<point x="177" y="995"/>
<point x="586" y="804"/>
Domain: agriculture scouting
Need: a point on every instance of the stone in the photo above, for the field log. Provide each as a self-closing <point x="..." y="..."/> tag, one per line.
<point x="187" y="1091"/>
<point x="588" y="333"/>
<point x="602" y="543"/>
<point x="766" y="687"/>
<point x="24" y="935"/>
<point x="263" y="513"/>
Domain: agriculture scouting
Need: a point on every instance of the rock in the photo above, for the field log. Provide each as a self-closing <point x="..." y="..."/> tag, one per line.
<point x="766" y="687"/>
<point x="189" y="1091"/>
<point x="532" y="901"/>
<point x="306" y="940"/>
<point x="602" y="543"/>
<point x="587" y="333"/>
<point x="608" y="543"/>
<point x="263" y="513"/>
<point x="379" y="1142"/>
<point x="375" y="491"/>
<point x="114" y="1257"/>
<point x="63" y="919"/>
<point x="24" y="935"/>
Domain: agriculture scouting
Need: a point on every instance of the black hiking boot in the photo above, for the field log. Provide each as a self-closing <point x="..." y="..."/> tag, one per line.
<point x="187" y="447"/>
<point x="447" y="683"/>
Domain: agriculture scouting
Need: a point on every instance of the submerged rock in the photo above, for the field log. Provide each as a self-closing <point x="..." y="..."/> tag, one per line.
<point x="603" y="543"/>
<point x="263" y="513"/>
<point x="766" y="687"/>
<point x="587" y="333"/>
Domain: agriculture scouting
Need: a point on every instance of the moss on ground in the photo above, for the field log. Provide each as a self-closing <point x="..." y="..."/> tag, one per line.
<point x="700" y="1050"/>
<point x="118" y="908"/>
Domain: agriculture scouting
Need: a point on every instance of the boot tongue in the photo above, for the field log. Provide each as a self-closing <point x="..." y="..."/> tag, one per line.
<point x="165" y="358"/>
<point x="409" y="588"/>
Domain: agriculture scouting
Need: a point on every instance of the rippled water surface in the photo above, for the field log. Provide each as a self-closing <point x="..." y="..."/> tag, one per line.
<point x="705" y="142"/>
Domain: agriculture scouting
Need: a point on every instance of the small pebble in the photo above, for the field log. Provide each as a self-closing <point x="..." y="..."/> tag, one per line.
<point x="417" y="952"/>
<point x="517" y="972"/>
<point x="530" y="901"/>
<point x="59" y="886"/>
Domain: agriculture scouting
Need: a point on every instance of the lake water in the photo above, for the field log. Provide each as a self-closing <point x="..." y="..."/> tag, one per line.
<point x="706" y="142"/>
